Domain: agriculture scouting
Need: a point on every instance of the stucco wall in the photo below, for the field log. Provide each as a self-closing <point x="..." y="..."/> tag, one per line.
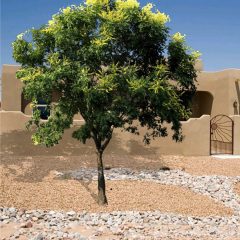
<point x="223" y="88"/>
<point x="16" y="140"/>
<point x="236" y="133"/>
<point x="11" y="89"/>
<point x="12" y="120"/>
<point x="12" y="97"/>
<point x="222" y="85"/>
<point x="196" y="141"/>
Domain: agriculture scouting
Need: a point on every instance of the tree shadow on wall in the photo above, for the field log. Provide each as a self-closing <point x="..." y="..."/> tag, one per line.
<point x="30" y="163"/>
<point x="19" y="143"/>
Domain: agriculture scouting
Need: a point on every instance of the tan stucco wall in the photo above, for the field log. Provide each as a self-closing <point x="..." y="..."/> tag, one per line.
<point x="220" y="84"/>
<point x="197" y="133"/>
<point x="12" y="93"/>
<point x="12" y="120"/>
<point x="16" y="120"/>
<point x="196" y="141"/>
<point x="17" y="140"/>
<point x="223" y="88"/>
<point x="11" y="89"/>
<point x="236" y="133"/>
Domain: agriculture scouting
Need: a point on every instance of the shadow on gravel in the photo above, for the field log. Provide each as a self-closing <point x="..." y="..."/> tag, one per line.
<point x="86" y="186"/>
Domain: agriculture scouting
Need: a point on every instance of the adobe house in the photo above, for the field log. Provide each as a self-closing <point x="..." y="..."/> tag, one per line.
<point x="214" y="127"/>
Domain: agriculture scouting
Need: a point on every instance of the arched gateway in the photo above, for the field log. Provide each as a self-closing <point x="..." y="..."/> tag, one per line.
<point x="221" y="135"/>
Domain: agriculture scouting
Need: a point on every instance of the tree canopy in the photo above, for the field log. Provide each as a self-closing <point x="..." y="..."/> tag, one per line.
<point x="115" y="63"/>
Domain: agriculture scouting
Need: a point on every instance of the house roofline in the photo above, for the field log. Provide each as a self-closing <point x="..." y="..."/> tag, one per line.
<point x="226" y="69"/>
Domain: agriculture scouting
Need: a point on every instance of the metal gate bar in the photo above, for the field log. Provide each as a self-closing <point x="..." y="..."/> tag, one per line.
<point x="221" y="135"/>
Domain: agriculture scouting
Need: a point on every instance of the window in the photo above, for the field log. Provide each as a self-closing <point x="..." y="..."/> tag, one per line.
<point x="43" y="108"/>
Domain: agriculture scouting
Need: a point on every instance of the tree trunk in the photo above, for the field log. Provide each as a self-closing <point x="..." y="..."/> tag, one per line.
<point x="102" y="199"/>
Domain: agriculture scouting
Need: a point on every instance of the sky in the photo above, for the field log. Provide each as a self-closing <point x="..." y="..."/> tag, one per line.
<point x="211" y="26"/>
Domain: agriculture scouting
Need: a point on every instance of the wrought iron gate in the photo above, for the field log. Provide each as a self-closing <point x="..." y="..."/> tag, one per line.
<point x="221" y="135"/>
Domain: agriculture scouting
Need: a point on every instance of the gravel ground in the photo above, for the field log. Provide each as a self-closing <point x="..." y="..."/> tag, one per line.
<point x="122" y="195"/>
<point x="237" y="188"/>
<point x="196" y="199"/>
<point x="39" y="225"/>
<point x="35" y="168"/>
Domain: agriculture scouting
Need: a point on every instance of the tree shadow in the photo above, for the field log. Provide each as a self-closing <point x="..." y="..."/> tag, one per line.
<point x="19" y="143"/>
<point x="29" y="163"/>
<point x="86" y="186"/>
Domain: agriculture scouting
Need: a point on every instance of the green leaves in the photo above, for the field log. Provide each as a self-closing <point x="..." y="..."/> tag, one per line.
<point x="83" y="133"/>
<point x="107" y="60"/>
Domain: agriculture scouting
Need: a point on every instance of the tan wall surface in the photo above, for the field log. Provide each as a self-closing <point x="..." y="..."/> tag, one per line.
<point x="196" y="141"/>
<point x="11" y="89"/>
<point x="221" y="85"/>
<point x="197" y="133"/>
<point x="12" y="120"/>
<point x="223" y="88"/>
<point x="12" y="93"/>
<point x="236" y="133"/>
<point x="15" y="139"/>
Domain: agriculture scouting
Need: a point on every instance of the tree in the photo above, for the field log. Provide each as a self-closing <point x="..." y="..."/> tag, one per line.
<point x="113" y="62"/>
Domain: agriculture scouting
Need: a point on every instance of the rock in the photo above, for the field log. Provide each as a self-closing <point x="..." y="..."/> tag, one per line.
<point x="117" y="231"/>
<point x="51" y="213"/>
<point x="16" y="235"/>
<point x="26" y="225"/>
<point x="60" y="234"/>
<point x="39" y="237"/>
<point x="34" y="219"/>
<point x="164" y="169"/>
<point x="72" y="236"/>
<point x="6" y="221"/>
<point x="58" y="174"/>
<point x="213" y="188"/>
<point x="107" y="167"/>
<point x="12" y="210"/>
<point x="53" y="224"/>
<point x="212" y="231"/>
<point x="71" y="213"/>
<point x="65" y="236"/>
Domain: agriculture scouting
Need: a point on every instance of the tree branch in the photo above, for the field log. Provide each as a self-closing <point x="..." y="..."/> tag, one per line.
<point x="107" y="140"/>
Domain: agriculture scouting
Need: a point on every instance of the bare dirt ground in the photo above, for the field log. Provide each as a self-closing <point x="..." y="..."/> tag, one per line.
<point x="28" y="182"/>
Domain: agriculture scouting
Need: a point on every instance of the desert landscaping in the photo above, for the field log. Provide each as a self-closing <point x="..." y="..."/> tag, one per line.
<point x="166" y="197"/>
<point x="115" y="125"/>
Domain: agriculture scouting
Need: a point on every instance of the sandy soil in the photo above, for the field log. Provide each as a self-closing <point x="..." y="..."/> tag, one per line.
<point x="204" y="165"/>
<point x="39" y="167"/>
<point x="32" y="179"/>
<point x="66" y="194"/>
